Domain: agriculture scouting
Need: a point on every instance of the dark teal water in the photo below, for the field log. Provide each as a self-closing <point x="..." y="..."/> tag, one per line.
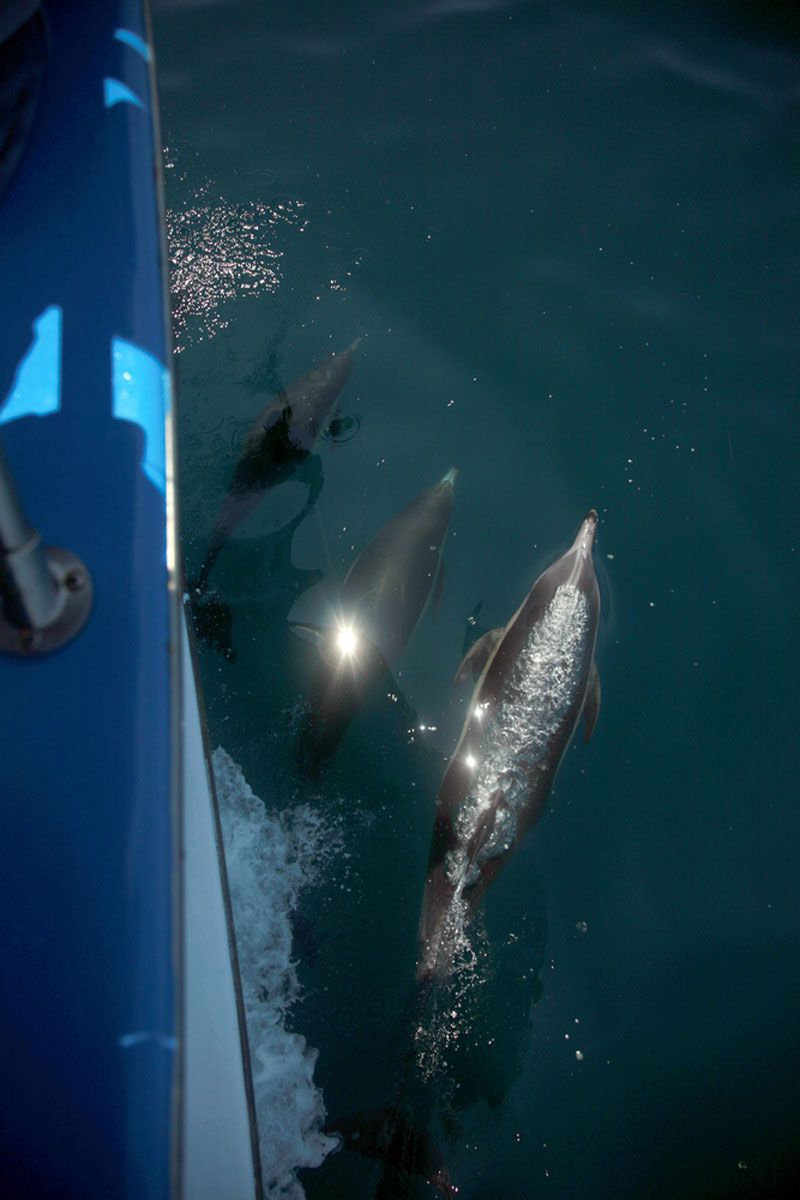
<point x="569" y="235"/>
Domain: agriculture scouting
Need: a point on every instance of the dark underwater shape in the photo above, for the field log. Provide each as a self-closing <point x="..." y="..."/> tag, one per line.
<point x="398" y="1134"/>
<point x="278" y="446"/>
<point x="383" y="598"/>
<point x="480" y="1063"/>
<point x="489" y="1054"/>
<point x="271" y="557"/>
<point x="537" y="676"/>
<point x="393" y="1136"/>
<point x="213" y="623"/>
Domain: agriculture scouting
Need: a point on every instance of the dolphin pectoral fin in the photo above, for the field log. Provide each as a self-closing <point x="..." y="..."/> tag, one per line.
<point x="438" y="588"/>
<point x="591" y="705"/>
<point x="311" y="473"/>
<point x="310" y="633"/>
<point x="472" y="619"/>
<point x="474" y="629"/>
<point x="478" y="655"/>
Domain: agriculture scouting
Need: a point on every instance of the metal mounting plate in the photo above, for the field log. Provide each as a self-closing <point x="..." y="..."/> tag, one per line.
<point x="75" y="588"/>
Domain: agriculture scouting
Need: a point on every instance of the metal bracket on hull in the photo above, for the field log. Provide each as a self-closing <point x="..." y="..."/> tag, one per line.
<point x="45" y="592"/>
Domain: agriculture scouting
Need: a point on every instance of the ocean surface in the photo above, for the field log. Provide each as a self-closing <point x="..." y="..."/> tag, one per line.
<point x="568" y="236"/>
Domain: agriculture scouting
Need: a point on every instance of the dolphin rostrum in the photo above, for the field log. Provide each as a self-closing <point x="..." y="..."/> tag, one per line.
<point x="277" y="446"/>
<point x="383" y="598"/>
<point x="537" y="676"/>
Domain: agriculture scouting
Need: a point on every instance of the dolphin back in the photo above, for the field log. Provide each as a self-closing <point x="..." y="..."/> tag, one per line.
<point x="390" y="584"/>
<point x="277" y="446"/>
<point x="287" y="428"/>
<point x="338" y="689"/>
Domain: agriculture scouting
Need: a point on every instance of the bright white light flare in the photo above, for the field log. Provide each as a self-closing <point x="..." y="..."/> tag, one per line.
<point x="346" y="641"/>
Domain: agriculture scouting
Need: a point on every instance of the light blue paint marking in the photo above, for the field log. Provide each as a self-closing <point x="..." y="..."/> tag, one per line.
<point x="166" y="1041"/>
<point x="36" y="390"/>
<point x="142" y="393"/>
<point x="132" y="39"/>
<point x="115" y="92"/>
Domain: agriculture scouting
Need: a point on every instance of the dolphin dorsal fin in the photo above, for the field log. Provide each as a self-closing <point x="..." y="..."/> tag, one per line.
<point x="478" y="655"/>
<point x="591" y="705"/>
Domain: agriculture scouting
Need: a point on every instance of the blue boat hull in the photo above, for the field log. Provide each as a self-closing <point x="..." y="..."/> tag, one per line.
<point x="87" y="831"/>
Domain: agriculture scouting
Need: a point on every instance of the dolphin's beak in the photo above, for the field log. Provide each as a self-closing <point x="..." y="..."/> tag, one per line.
<point x="450" y="477"/>
<point x="584" y="539"/>
<point x="354" y="345"/>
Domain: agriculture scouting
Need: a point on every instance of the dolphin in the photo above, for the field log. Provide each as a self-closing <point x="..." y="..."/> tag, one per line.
<point x="277" y="446"/>
<point x="383" y="598"/>
<point x="537" y="675"/>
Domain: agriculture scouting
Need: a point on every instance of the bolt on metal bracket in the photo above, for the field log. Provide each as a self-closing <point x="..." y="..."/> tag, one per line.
<point x="45" y="592"/>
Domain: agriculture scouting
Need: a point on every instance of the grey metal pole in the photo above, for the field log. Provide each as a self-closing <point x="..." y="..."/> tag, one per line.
<point x="30" y="594"/>
<point x="14" y="527"/>
<point x="45" y="595"/>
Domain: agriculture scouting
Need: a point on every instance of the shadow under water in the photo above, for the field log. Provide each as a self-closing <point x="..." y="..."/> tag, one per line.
<point x="278" y="584"/>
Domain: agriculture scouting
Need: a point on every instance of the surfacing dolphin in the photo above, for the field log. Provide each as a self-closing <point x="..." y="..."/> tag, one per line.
<point x="537" y="676"/>
<point x="278" y="446"/>
<point x="383" y="598"/>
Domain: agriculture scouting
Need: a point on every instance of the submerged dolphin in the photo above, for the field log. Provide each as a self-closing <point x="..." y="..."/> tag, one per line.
<point x="537" y="676"/>
<point x="383" y="597"/>
<point x="393" y="1136"/>
<point x="277" y="446"/>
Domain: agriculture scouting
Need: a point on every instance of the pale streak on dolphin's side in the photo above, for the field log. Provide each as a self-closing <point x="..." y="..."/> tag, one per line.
<point x="543" y="686"/>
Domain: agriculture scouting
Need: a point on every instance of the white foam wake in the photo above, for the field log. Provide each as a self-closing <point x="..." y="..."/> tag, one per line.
<point x="271" y="858"/>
